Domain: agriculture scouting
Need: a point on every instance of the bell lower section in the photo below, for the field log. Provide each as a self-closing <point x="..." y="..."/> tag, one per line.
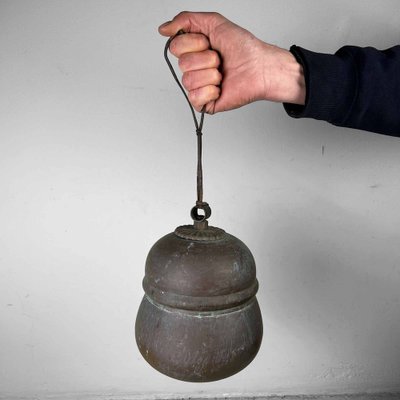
<point x="198" y="346"/>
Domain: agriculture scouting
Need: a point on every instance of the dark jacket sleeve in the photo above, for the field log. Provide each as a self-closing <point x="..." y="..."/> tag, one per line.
<point x="356" y="88"/>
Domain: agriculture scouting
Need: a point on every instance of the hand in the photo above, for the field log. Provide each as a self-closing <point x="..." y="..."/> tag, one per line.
<point x="225" y="67"/>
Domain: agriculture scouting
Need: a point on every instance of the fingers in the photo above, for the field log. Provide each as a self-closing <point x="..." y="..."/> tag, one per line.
<point x="201" y="77"/>
<point x="201" y="96"/>
<point x="202" y="87"/>
<point x="196" y="79"/>
<point x="196" y="61"/>
<point x="200" y="68"/>
<point x="189" y="43"/>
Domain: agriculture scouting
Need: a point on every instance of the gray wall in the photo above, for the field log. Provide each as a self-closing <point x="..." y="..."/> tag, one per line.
<point x="97" y="161"/>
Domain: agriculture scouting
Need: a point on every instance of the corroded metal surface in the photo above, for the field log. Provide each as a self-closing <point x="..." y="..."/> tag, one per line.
<point x="198" y="347"/>
<point x="199" y="320"/>
<point x="191" y="233"/>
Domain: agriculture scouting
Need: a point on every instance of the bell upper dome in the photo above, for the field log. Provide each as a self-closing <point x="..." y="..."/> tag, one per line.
<point x="200" y="274"/>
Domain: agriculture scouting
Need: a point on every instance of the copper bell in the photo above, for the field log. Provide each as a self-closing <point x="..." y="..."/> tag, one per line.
<point x="199" y="319"/>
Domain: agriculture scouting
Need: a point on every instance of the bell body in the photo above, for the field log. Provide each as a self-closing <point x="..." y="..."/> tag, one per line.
<point x="199" y="319"/>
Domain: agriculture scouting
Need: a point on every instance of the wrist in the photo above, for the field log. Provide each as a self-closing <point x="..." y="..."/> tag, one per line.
<point x="285" y="77"/>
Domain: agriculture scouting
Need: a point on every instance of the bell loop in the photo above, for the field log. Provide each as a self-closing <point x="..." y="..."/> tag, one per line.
<point x="198" y="124"/>
<point x="196" y="216"/>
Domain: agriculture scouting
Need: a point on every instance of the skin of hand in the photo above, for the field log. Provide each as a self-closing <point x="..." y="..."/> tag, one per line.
<point x="225" y="66"/>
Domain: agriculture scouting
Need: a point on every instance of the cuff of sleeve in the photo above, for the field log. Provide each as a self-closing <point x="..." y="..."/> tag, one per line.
<point x="330" y="86"/>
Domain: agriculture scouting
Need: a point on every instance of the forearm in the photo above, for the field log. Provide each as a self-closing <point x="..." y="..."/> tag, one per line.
<point x="357" y="88"/>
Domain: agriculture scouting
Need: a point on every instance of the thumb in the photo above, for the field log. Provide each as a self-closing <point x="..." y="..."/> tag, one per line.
<point x="195" y="22"/>
<point x="165" y="29"/>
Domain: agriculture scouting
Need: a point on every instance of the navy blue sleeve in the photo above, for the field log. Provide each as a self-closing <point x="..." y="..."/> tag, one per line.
<point x="355" y="88"/>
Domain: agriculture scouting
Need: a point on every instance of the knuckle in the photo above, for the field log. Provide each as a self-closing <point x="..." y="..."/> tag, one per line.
<point x="183" y="14"/>
<point x="217" y="76"/>
<point x="173" y="47"/>
<point x="187" y="80"/>
<point x="182" y="63"/>
<point x="202" y="42"/>
<point x="217" y="17"/>
<point x="215" y="58"/>
<point x="213" y="91"/>
<point x="194" y="97"/>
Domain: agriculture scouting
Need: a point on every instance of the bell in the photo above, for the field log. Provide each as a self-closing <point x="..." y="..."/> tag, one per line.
<point x="199" y="320"/>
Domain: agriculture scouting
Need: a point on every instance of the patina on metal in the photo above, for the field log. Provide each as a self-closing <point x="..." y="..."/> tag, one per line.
<point x="199" y="319"/>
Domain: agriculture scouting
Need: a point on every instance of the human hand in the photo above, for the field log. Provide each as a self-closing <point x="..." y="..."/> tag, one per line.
<point x="225" y="66"/>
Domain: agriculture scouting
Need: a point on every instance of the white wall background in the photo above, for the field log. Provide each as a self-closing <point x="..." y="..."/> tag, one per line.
<point x="97" y="161"/>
